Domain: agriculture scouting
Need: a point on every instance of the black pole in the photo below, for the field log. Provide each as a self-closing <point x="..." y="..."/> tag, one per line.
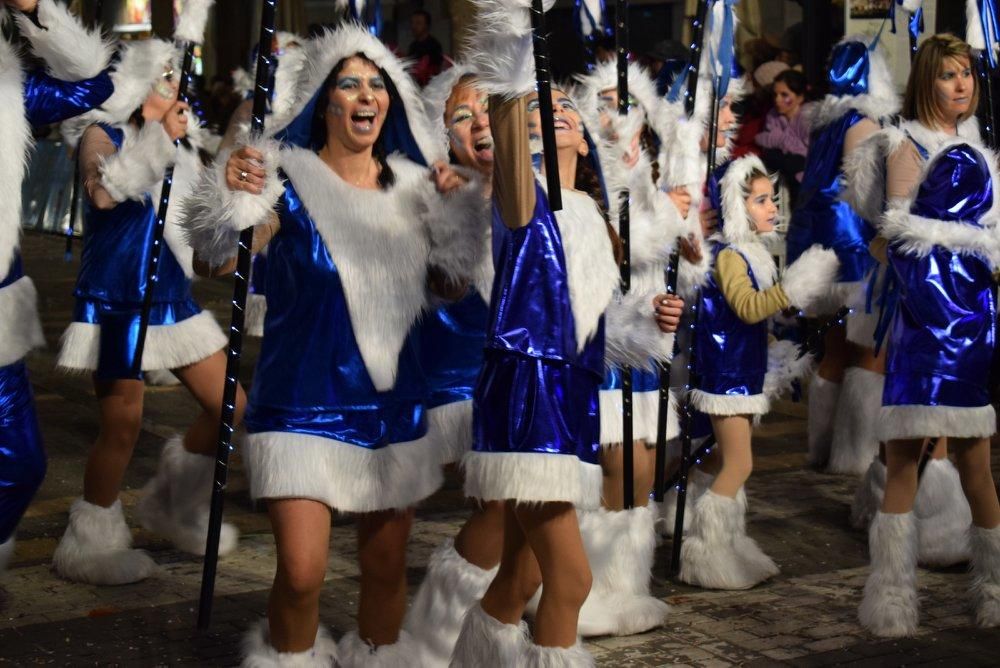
<point x="153" y="263"/>
<point x="240" y="285"/>
<point x="543" y="76"/>
<point x="989" y="115"/>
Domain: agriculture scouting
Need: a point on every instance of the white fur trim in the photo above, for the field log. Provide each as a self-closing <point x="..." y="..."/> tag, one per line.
<point x="645" y="416"/>
<point x="187" y="172"/>
<point x="456" y="224"/>
<point x="641" y="86"/>
<point x="20" y="328"/>
<point x="868" y="496"/>
<point x="808" y="278"/>
<point x="692" y="276"/>
<point x="986" y="575"/>
<point x="899" y="422"/>
<point x="855" y="423"/>
<point x="943" y="516"/>
<point x="15" y="141"/>
<point x="213" y="216"/>
<point x="500" y="47"/>
<point x="70" y="51"/>
<point x="97" y="547"/>
<point x="619" y="547"/>
<point x="258" y="652"/>
<point x="450" y="588"/>
<point x="353" y="652"/>
<point x="936" y="141"/>
<point x="255" y="315"/>
<point x="436" y="93"/>
<point x="539" y="656"/>
<point x="973" y="26"/>
<point x="486" y="641"/>
<point x="346" y="477"/>
<point x="864" y="172"/>
<point x="736" y="225"/>
<point x="6" y="552"/>
<point x="632" y="336"/>
<point x="698" y="483"/>
<point x="861" y="325"/>
<point x="191" y="23"/>
<point x="784" y="366"/>
<point x="881" y="100"/>
<point x="889" y="607"/>
<point x="718" y="554"/>
<point x="685" y="163"/>
<point x="730" y="404"/>
<point x="918" y="236"/>
<point x="758" y="257"/>
<point x="380" y="245"/>
<point x="167" y="346"/>
<point x="532" y="478"/>
<point x="449" y="427"/>
<point x="822" y="397"/>
<point x="136" y="168"/>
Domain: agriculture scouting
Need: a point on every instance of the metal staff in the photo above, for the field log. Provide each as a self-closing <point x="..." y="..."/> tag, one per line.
<point x="543" y="77"/>
<point x="671" y="274"/>
<point x="260" y="98"/>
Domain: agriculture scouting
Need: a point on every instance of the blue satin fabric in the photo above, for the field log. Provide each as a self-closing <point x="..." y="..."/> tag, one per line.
<point x="848" y="69"/>
<point x="821" y="216"/>
<point x="310" y="377"/>
<point x="957" y="187"/>
<point x="22" y="457"/>
<point x="258" y="275"/>
<point x="730" y="355"/>
<point x="643" y="380"/>
<point x="537" y="393"/>
<point x="14" y="273"/>
<point x="451" y="348"/>
<point x="49" y="100"/>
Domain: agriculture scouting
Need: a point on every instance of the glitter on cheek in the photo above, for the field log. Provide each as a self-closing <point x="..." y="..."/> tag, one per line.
<point x="335" y="109"/>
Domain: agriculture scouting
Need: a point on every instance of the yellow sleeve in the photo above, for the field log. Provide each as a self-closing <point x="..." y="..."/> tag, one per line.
<point x="750" y="305"/>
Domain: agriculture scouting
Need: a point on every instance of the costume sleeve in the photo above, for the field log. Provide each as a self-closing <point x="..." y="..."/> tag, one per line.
<point x="95" y="147"/>
<point x="513" y="177"/>
<point x="50" y="100"/>
<point x="773" y="133"/>
<point x="750" y="305"/>
<point x="138" y="166"/>
<point x="903" y="168"/>
<point x="859" y="132"/>
<point x="56" y="36"/>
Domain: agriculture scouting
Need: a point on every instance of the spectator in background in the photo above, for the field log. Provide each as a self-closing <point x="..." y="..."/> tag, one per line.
<point x="425" y="50"/>
<point x="756" y="107"/>
<point x="785" y="138"/>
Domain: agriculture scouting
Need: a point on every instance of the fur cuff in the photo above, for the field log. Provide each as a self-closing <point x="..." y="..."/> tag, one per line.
<point x="899" y="422"/>
<point x="258" y="652"/>
<point x="632" y="337"/>
<point x="916" y="235"/>
<point x="214" y="215"/>
<point x="784" y="367"/>
<point x="864" y="172"/>
<point x="540" y="656"/>
<point x="457" y="223"/>
<point x="692" y="276"/>
<point x="500" y="42"/>
<point x="684" y="163"/>
<point x="70" y="51"/>
<point x="20" y="329"/>
<point x="136" y="169"/>
<point x="808" y="278"/>
<point x="730" y="404"/>
<point x="357" y="653"/>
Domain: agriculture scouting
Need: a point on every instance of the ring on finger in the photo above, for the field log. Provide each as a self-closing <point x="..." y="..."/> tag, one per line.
<point x="243" y="176"/>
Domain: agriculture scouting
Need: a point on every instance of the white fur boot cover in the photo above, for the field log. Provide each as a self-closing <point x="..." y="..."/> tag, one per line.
<point x="258" y="653"/>
<point x="175" y="503"/>
<point x="97" y="547"/>
<point x="943" y="516"/>
<point x="450" y="588"/>
<point x="486" y="641"/>
<point x="868" y="496"/>
<point x="558" y="657"/>
<point x="353" y="652"/>
<point x="6" y="552"/>
<point x="718" y="554"/>
<point x="855" y="437"/>
<point x="698" y="484"/>
<point x="619" y="546"/>
<point x="823" y="396"/>
<point x="985" y="544"/>
<point x="889" y="606"/>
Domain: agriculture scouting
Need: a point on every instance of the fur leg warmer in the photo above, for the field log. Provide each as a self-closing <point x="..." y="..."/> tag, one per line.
<point x="855" y="436"/>
<point x="718" y="554"/>
<point x="97" y="547"/>
<point x="620" y="547"/>
<point x="353" y="652"/>
<point x="451" y="587"/>
<point x="175" y="503"/>
<point x="698" y="484"/>
<point x="6" y="552"/>
<point x="868" y="496"/>
<point x="258" y="653"/>
<point x="985" y="544"/>
<point x="823" y="396"/>
<point x="486" y="641"/>
<point x="889" y="607"/>
<point x="558" y="657"/>
<point x="943" y="516"/>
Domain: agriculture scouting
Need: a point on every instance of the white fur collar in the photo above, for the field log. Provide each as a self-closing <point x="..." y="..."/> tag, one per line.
<point x="934" y="140"/>
<point x="378" y="242"/>
<point x="15" y="140"/>
<point x="758" y="257"/>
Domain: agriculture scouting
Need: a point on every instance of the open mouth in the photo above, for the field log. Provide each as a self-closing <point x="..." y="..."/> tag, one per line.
<point x="363" y="121"/>
<point x="560" y="123"/>
<point x="483" y="148"/>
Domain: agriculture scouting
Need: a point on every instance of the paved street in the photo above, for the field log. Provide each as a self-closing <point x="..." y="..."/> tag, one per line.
<point x="805" y="617"/>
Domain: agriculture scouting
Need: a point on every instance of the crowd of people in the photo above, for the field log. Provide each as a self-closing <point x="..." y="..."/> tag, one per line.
<point x="423" y="303"/>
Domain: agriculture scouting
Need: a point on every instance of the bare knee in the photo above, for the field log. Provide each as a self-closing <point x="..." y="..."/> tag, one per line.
<point x="122" y="432"/>
<point x="572" y="586"/>
<point x="301" y="578"/>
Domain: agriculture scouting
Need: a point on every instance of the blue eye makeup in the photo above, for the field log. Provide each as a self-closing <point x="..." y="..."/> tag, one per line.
<point x="533" y="105"/>
<point x="346" y="83"/>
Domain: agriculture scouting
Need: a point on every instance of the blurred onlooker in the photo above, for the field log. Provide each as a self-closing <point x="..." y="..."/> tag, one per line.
<point x="756" y="107"/>
<point x="425" y="50"/>
<point x="785" y="138"/>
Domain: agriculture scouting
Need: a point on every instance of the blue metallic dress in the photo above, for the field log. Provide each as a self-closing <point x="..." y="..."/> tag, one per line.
<point x="943" y="249"/>
<point x="536" y="422"/>
<point x="22" y="457"/>
<point x="109" y="294"/>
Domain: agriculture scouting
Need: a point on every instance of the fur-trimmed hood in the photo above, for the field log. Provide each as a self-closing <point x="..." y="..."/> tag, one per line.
<point x="736" y="225"/>
<point x="640" y="86"/>
<point x="438" y="90"/>
<point x="880" y="101"/>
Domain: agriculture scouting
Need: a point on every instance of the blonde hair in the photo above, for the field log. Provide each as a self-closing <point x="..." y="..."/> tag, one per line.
<point x="919" y="101"/>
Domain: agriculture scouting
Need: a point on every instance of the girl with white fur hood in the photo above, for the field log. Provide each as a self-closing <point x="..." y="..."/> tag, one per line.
<point x="126" y="147"/>
<point x="73" y="83"/>
<point x="730" y="365"/>
<point x="363" y="225"/>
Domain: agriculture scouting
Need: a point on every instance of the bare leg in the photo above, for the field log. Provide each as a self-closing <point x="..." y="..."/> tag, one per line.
<point x="302" y="537"/>
<point x="973" y="460"/>
<point x="835" y="355"/>
<point x="120" y="407"/>
<point x="643" y="460"/>
<point x="480" y="541"/>
<point x="733" y="433"/>
<point x="518" y="577"/>
<point x="382" y="540"/>
<point x="205" y="380"/>
<point x="902" y="460"/>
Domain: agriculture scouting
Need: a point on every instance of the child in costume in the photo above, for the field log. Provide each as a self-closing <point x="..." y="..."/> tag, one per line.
<point x="843" y="405"/>
<point x="367" y="217"/>
<point x="126" y="146"/>
<point x="729" y="367"/>
<point x="73" y="83"/>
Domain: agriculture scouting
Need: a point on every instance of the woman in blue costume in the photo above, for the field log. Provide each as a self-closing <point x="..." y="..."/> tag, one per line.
<point x="70" y="85"/>
<point x="942" y="248"/>
<point x="125" y="149"/>
<point x="337" y="417"/>
<point x="731" y="363"/>
<point x="843" y="404"/>
<point x="536" y="419"/>
<point x="885" y="168"/>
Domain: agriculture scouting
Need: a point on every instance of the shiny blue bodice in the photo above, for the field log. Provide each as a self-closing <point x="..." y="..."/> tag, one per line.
<point x="49" y="100"/>
<point x="311" y="378"/>
<point x="821" y="216"/>
<point x="452" y="338"/>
